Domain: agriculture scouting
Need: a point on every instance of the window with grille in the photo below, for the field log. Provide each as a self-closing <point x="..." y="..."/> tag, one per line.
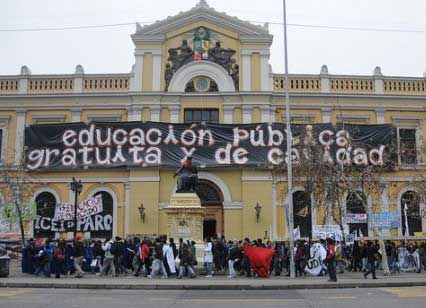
<point x="201" y="115"/>
<point x="407" y="146"/>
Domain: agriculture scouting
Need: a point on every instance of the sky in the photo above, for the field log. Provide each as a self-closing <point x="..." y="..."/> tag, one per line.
<point x="110" y="49"/>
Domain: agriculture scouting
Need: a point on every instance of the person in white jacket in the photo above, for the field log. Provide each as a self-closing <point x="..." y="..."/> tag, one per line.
<point x="108" y="265"/>
<point x="208" y="256"/>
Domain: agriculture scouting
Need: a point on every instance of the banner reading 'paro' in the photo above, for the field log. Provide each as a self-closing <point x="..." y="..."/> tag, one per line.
<point x="152" y="144"/>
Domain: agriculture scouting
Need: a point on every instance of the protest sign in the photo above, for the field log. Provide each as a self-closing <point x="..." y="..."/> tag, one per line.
<point x="89" y="207"/>
<point x="314" y="265"/>
<point x="329" y="231"/>
<point x="353" y="218"/>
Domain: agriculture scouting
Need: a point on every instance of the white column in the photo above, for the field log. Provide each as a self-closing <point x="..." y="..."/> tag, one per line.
<point x="134" y="114"/>
<point x="155" y="113"/>
<point x="19" y="139"/>
<point x="127" y="208"/>
<point x="23" y="80"/>
<point x="380" y="116"/>
<point x="78" y="79"/>
<point x="274" y="210"/>
<point x="136" y="81"/>
<point x="325" y="81"/>
<point x="156" y="70"/>
<point x="246" y="66"/>
<point x="76" y="115"/>
<point x="378" y="80"/>
<point x="247" y="114"/>
<point x="174" y="114"/>
<point x="228" y="114"/>
<point x="265" y="81"/>
<point x="326" y="115"/>
<point x="265" y="114"/>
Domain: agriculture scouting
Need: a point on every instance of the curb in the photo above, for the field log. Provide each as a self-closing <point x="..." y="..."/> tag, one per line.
<point x="343" y="285"/>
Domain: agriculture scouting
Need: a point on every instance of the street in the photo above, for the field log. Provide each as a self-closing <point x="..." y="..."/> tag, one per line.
<point x="52" y="298"/>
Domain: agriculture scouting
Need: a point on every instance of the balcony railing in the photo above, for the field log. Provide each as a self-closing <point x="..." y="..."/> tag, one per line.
<point x="324" y="83"/>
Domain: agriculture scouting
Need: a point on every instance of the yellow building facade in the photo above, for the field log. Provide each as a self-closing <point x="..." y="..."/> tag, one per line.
<point x="231" y="193"/>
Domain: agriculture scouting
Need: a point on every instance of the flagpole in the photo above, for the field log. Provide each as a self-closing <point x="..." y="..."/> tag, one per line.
<point x="290" y="221"/>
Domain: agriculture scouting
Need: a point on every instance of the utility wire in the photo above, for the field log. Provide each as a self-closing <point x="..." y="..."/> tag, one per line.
<point x="259" y="22"/>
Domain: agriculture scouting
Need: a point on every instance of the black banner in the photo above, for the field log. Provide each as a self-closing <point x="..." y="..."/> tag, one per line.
<point x="152" y="144"/>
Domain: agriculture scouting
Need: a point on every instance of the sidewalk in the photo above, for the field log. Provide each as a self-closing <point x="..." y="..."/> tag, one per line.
<point x="90" y="281"/>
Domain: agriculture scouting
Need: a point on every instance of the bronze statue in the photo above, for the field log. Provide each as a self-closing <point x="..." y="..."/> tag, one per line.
<point x="187" y="176"/>
<point x="185" y="56"/>
<point x="168" y="74"/>
<point x="221" y="56"/>
<point x="235" y="74"/>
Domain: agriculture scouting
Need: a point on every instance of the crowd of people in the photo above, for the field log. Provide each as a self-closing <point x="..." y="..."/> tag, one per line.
<point x="162" y="257"/>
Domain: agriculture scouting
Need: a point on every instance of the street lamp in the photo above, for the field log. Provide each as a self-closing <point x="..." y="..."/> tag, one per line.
<point x="289" y="143"/>
<point x="76" y="187"/>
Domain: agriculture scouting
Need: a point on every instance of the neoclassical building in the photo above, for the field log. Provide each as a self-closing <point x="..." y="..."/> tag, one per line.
<point x="205" y="66"/>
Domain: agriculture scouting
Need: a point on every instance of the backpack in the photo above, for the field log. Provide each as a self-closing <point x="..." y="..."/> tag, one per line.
<point x="113" y="248"/>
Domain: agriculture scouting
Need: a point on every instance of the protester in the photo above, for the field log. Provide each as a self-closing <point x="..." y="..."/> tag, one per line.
<point x="331" y="260"/>
<point x="372" y="257"/>
<point x="186" y="265"/>
<point x="78" y="256"/>
<point x="59" y="258"/>
<point x="108" y="263"/>
<point x="158" y="261"/>
<point x="208" y="256"/>
<point x="232" y="258"/>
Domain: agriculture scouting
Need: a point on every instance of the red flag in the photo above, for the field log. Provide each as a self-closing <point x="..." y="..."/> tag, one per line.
<point x="260" y="259"/>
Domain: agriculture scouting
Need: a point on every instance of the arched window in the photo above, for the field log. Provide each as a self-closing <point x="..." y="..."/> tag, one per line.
<point x="104" y="227"/>
<point x="354" y="205"/>
<point x="412" y="199"/>
<point x="201" y="84"/>
<point x="46" y="203"/>
<point x="302" y="213"/>
<point x="209" y="193"/>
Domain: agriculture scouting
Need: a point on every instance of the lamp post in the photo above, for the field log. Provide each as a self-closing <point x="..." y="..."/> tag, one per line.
<point x="289" y="143"/>
<point x="76" y="187"/>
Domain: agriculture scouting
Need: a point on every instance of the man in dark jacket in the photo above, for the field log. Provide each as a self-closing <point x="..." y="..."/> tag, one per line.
<point x="372" y="254"/>
<point x="120" y="248"/>
<point x="78" y="255"/>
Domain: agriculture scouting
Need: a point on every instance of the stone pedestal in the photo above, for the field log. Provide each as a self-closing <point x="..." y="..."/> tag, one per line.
<point x="185" y="217"/>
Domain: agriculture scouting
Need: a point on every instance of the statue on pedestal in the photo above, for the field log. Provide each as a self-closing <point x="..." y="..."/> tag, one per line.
<point x="187" y="176"/>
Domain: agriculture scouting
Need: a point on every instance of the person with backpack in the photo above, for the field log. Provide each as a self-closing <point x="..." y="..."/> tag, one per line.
<point x="59" y="259"/>
<point x="143" y="255"/>
<point x="158" y="260"/>
<point x="186" y="264"/>
<point x="331" y="260"/>
<point x="108" y="264"/>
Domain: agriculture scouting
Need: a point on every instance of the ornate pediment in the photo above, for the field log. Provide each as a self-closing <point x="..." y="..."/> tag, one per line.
<point x="157" y="31"/>
<point x="201" y="44"/>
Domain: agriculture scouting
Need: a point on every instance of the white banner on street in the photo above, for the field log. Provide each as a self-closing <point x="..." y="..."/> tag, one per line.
<point x="92" y="206"/>
<point x="329" y="231"/>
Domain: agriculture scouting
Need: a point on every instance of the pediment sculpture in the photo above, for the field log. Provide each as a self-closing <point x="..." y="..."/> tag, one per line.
<point x="202" y="51"/>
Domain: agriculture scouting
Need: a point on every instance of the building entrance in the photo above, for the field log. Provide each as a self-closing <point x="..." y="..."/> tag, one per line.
<point x="212" y="199"/>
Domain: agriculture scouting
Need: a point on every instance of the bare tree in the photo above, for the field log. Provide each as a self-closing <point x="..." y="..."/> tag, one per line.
<point x="18" y="188"/>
